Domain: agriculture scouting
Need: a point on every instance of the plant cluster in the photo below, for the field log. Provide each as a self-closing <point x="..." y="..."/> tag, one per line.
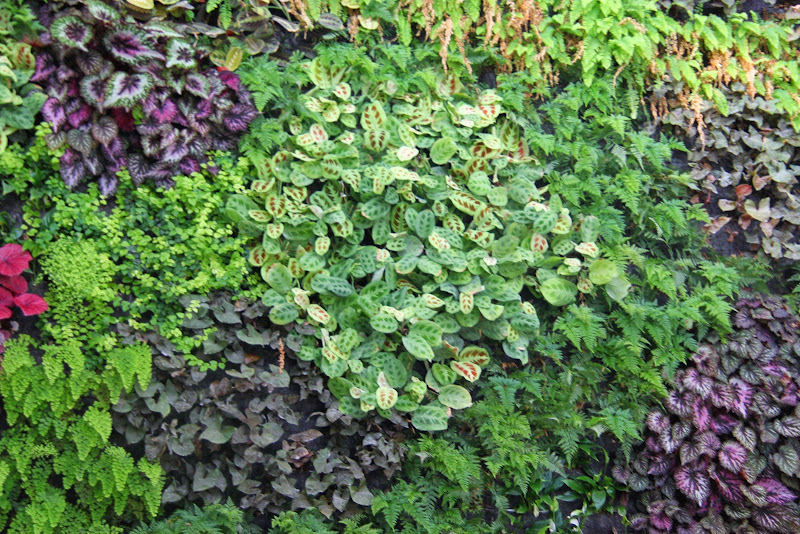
<point x="58" y="470"/>
<point x="247" y="433"/>
<point x="133" y="95"/>
<point x="19" y="99"/>
<point x="217" y="518"/>
<point x="14" y="289"/>
<point x="723" y="455"/>
<point x="165" y="244"/>
<point x="407" y="228"/>
<point x="747" y="159"/>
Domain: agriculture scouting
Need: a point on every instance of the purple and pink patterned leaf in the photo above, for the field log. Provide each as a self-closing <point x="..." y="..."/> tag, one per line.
<point x="742" y="396"/>
<point x="108" y="185"/>
<point x="776" y="493"/>
<point x="239" y="117"/>
<point x="692" y="483"/>
<point x="105" y="130"/>
<point x="126" y="90"/>
<point x="72" y="170"/>
<point x="93" y="90"/>
<point x="732" y="456"/>
<point x="80" y="116"/>
<point x="72" y="32"/>
<point x="130" y="45"/>
<point x="230" y="79"/>
<point x="165" y="112"/>
<point x="45" y="66"/>
<point x="180" y="54"/>
<point x="53" y="112"/>
<point x="198" y="85"/>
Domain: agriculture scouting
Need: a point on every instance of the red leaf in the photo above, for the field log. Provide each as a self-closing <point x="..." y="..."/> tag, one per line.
<point x="17" y="284"/>
<point x="743" y="190"/>
<point x="13" y="260"/>
<point x="31" y="304"/>
<point x="6" y="298"/>
<point x="5" y="312"/>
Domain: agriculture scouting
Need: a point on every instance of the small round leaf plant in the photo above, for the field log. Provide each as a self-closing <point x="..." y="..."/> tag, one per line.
<point x="410" y="231"/>
<point x="14" y="288"/>
<point x="724" y="453"/>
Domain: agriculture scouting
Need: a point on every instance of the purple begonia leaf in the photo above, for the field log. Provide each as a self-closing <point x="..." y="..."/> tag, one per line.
<point x="230" y="79"/>
<point x="108" y="185"/>
<point x="45" y="66"/>
<point x="168" y="139"/>
<point x="126" y="90"/>
<point x="65" y="74"/>
<point x="73" y="88"/>
<point x="788" y="426"/>
<point x="709" y="443"/>
<point x="202" y="110"/>
<point x="201" y="127"/>
<point x="701" y="416"/>
<point x="138" y="168"/>
<point x="756" y="494"/>
<point x="80" y="116"/>
<point x="692" y="483"/>
<point x="723" y="424"/>
<point x="729" y="485"/>
<point x="73" y="171"/>
<point x="130" y="45"/>
<point x="700" y="384"/>
<point x="672" y="438"/>
<point x="180" y="54"/>
<point x="743" y="319"/>
<point x="189" y="166"/>
<point x="742" y="395"/>
<point x="732" y="456"/>
<point x="174" y="152"/>
<point x="790" y="395"/>
<point x="124" y="119"/>
<point x="662" y="522"/>
<point x="198" y="146"/>
<point x="690" y="452"/>
<point x="166" y="182"/>
<point x="777" y="493"/>
<point x="80" y="141"/>
<point x="105" y="130"/>
<point x="223" y="143"/>
<point x="722" y="396"/>
<point x="93" y="90"/>
<point x="72" y="32"/>
<point x="102" y="12"/>
<point x="56" y="140"/>
<point x="198" y="85"/>
<point x="175" y="80"/>
<point x="150" y="126"/>
<point x="165" y="113"/>
<point x="93" y="164"/>
<point x="150" y="145"/>
<point x="773" y="519"/>
<point x="223" y="103"/>
<point x="53" y="112"/>
<point x="657" y="421"/>
<point x="681" y="402"/>
<point x="89" y="62"/>
<point x="746" y="436"/>
<point x="239" y="117"/>
<point x="659" y="466"/>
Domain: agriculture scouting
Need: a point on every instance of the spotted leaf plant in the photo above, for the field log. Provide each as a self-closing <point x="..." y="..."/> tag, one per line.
<point x="410" y="231"/>
<point x="130" y="94"/>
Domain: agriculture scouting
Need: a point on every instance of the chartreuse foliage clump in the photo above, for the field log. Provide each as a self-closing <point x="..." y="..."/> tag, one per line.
<point x="162" y="245"/>
<point x="410" y="227"/>
<point x="722" y="454"/>
<point x="58" y="470"/>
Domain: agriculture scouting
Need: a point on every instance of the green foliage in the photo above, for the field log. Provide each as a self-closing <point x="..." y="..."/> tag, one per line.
<point x="20" y="101"/>
<point x="164" y="244"/>
<point x="216" y="518"/>
<point x="60" y="471"/>
<point x="407" y="239"/>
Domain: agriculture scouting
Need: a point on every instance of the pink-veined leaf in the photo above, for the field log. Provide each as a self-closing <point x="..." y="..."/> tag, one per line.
<point x="13" y="259"/>
<point x="31" y="304"/>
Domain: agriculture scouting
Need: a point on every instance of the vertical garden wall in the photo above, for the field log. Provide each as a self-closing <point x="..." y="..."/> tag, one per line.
<point x="379" y="266"/>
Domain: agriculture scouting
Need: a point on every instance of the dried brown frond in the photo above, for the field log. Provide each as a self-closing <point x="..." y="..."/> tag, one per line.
<point x="578" y="54"/>
<point x="633" y="22"/>
<point x="489" y="8"/>
<point x="617" y="73"/>
<point x="444" y="33"/>
<point x="281" y="356"/>
<point x="352" y="25"/>
<point x="429" y="13"/>
<point x="461" y="40"/>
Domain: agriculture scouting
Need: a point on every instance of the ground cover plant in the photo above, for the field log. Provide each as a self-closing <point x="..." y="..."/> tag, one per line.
<point x="397" y="266"/>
